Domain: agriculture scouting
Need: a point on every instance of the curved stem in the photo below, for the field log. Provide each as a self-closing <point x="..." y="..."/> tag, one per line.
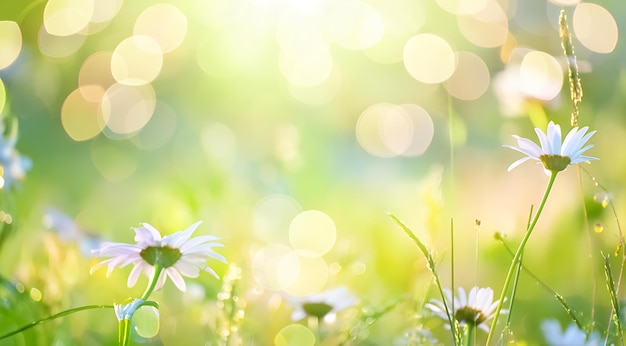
<point x="153" y="281"/>
<point x="518" y="255"/>
<point x="55" y="316"/>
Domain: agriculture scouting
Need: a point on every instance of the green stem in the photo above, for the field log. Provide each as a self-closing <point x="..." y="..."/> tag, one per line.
<point x="153" y="281"/>
<point x="124" y="323"/>
<point x="518" y="255"/>
<point x="468" y="337"/>
<point x="55" y="316"/>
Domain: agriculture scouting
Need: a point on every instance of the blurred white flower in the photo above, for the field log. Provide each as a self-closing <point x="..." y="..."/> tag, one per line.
<point x="572" y="336"/>
<point x="324" y="305"/>
<point x="554" y="155"/>
<point x="475" y="309"/>
<point x="176" y="253"/>
<point x="69" y="231"/>
<point x="13" y="166"/>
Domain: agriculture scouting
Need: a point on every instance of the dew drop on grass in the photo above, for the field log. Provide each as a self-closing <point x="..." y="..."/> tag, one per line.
<point x="598" y="227"/>
<point x="146" y="321"/>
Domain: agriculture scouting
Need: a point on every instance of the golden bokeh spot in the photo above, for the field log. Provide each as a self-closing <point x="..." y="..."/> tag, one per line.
<point x="276" y="266"/>
<point x="487" y="28"/>
<point x="295" y="335"/>
<point x="387" y="130"/>
<point x="312" y="233"/>
<point x="165" y="23"/>
<point x="470" y="79"/>
<point x="95" y="71"/>
<point x="312" y="278"/>
<point x="541" y="75"/>
<point x="595" y="27"/>
<point x="82" y="118"/>
<point x="434" y="67"/>
<point x="10" y="42"/>
<point x="67" y="17"/>
<point x="136" y="60"/>
<point x="128" y="108"/>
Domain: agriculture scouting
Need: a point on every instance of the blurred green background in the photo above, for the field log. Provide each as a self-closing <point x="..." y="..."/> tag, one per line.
<point x="291" y="128"/>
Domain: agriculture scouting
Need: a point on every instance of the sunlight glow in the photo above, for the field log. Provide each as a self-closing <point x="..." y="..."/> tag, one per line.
<point x="354" y="24"/>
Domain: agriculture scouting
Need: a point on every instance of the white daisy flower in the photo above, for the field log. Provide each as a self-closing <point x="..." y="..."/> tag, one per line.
<point x="474" y="309"/>
<point x="572" y="336"/>
<point x="324" y="305"/>
<point x="176" y="254"/>
<point x="554" y="155"/>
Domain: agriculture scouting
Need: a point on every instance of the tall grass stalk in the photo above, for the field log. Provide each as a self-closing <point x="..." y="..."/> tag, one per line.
<point x="518" y="255"/>
<point x="431" y="266"/>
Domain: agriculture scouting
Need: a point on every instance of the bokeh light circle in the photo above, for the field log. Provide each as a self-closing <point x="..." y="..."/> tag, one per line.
<point x="95" y="72"/>
<point x="306" y="65"/>
<point x="462" y="7"/>
<point x="388" y="130"/>
<point x="312" y="233"/>
<point x="595" y="27"/>
<point x="434" y="67"/>
<point x="295" y="335"/>
<point x="541" y="75"/>
<point x="165" y="23"/>
<point x="59" y="46"/>
<point x="128" y="108"/>
<point x="82" y="119"/>
<point x="470" y="79"/>
<point x="10" y="42"/>
<point x="276" y="266"/>
<point x="312" y="278"/>
<point x="487" y="28"/>
<point x="354" y="24"/>
<point x="136" y="60"/>
<point x="272" y="215"/>
<point x="67" y="17"/>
